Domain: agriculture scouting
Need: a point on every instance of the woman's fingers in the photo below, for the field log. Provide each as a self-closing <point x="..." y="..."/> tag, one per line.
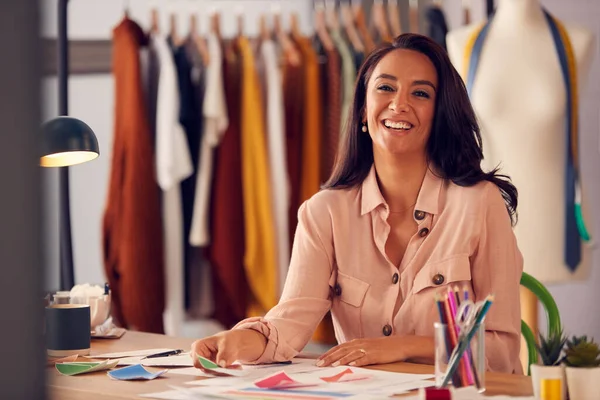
<point x="204" y="347"/>
<point x="351" y="358"/>
<point x="334" y="355"/>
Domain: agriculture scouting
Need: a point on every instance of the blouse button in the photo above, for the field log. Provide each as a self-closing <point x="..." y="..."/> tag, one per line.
<point x="423" y="232"/>
<point x="337" y="289"/>
<point x="438" y="279"/>
<point x="387" y="330"/>
<point x="419" y="215"/>
<point x="395" y="278"/>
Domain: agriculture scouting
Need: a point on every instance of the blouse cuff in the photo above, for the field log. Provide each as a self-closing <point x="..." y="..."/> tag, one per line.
<point x="275" y="351"/>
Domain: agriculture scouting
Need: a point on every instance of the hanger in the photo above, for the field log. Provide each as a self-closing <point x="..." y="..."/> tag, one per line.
<point x="215" y="24"/>
<point x="126" y="8"/>
<point x="331" y="15"/>
<point x="154" y="26"/>
<point x="198" y="40"/>
<point x="466" y="6"/>
<point x="394" y="17"/>
<point x="361" y="25"/>
<point x="321" y="29"/>
<point x="239" y="17"/>
<point x="413" y="16"/>
<point x="173" y="29"/>
<point x="289" y="48"/>
<point x="379" y="20"/>
<point x="295" y="25"/>
<point x="350" y="28"/>
<point x="263" y="29"/>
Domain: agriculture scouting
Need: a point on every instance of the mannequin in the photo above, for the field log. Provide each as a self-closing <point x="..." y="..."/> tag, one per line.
<point x="520" y="100"/>
<point x="519" y="97"/>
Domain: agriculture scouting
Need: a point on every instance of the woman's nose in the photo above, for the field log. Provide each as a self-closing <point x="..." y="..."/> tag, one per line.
<point x="400" y="102"/>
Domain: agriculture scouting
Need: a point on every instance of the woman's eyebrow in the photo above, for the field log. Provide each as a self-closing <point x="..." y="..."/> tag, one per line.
<point x="424" y="82"/>
<point x="387" y="76"/>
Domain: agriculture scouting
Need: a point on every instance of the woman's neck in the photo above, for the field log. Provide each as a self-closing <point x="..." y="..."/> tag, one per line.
<point x="400" y="179"/>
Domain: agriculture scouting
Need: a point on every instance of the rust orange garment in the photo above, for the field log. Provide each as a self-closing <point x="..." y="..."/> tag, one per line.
<point x="311" y="138"/>
<point x="311" y="150"/>
<point x="260" y="256"/>
<point x="132" y="231"/>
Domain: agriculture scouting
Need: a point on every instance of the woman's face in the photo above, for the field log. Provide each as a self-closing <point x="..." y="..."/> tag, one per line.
<point x="400" y="102"/>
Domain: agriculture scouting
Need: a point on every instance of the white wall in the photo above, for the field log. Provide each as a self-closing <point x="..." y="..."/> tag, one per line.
<point x="91" y="99"/>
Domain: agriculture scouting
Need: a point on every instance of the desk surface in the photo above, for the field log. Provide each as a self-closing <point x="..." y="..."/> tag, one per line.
<point x="99" y="386"/>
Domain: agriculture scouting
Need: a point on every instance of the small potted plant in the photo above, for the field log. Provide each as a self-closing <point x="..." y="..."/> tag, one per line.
<point x="582" y="360"/>
<point x="550" y="352"/>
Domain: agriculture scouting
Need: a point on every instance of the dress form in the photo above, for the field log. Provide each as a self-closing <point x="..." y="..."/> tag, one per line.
<point x="519" y="98"/>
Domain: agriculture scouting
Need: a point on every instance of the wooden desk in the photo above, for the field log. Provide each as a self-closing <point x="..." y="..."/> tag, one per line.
<point x="99" y="386"/>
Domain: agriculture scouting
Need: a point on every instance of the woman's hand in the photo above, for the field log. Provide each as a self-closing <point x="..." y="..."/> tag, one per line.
<point x="360" y="352"/>
<point x="227" y="347"/>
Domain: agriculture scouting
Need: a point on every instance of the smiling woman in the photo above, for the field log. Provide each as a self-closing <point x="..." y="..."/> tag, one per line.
<point x="407" y="215"/>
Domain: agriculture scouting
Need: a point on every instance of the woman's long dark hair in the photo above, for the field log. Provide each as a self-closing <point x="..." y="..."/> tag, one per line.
<point x="454" y="145"/>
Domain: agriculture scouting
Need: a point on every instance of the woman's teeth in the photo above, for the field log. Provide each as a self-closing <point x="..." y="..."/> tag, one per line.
<point x="397" y="125"/>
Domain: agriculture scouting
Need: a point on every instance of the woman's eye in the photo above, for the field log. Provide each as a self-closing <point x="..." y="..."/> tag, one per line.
<point x="385" y="88"/>
<point x="421" y="93"/>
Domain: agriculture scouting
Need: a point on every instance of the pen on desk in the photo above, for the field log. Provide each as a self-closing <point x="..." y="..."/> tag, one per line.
<point x="164" y="354"/>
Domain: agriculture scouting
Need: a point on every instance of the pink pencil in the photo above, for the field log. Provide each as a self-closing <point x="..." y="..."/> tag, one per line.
<point x="454" y="311"/>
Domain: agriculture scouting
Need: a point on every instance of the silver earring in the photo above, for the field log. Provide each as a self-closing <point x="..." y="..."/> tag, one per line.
<point x="364" y="128"/>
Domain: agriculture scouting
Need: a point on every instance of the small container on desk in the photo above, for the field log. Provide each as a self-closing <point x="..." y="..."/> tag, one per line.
<point x="470" y="367"/>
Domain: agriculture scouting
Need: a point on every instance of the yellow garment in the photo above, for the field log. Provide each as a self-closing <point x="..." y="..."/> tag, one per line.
<point x="259" y="258"/>
<point x="311" y="138"/>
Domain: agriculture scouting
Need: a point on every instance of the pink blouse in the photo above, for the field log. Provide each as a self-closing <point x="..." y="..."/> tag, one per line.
<point x="464" y="238"/>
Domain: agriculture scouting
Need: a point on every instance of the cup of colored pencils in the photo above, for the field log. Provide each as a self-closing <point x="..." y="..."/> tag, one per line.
<point x="460" y="340"/>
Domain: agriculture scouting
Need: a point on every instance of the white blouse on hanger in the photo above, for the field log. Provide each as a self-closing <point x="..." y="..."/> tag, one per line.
<point x="215" y="124"/>
<point x="173" y="165"/>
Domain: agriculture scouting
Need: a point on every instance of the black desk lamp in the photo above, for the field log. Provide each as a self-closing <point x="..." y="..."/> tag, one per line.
<point x="66" y="141"/>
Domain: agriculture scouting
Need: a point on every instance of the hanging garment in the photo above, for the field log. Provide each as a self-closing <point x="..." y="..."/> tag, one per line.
<point x="358" y="57"/>
<point x="151" y="72"/>
<point x="230" y="287"/>
<point x="438" y="29"/>
<point x="190" y="119"/>
<point x="575" y="229"/>
<point x="260" y="256"/>
<point x="293" y="102"/>
<point x="332" y="107"/>
<point x="276" y="143"/>
<point x="190" y="67"/>
<point x="215" y="123"/>
<point x="132" y="236"/>
<point x="311" y="137"/>
<point x="198" y="284"/>
<point x="174" y="165"/>
<point x="348" y="78"/>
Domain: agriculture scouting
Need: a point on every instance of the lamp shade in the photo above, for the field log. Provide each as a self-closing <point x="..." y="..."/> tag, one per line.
<point x="67" y="141"/>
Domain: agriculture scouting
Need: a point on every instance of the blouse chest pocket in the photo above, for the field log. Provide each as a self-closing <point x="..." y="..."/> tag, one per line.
<point x="348" y="299"/>
<point x="442" y="273"/>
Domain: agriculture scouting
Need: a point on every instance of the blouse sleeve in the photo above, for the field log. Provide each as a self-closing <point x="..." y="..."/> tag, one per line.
<point x="497" y="265"/>
<point x="305" y="299"/>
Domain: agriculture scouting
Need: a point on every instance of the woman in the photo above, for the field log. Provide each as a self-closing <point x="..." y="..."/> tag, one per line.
<point x="407" y="213"/>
